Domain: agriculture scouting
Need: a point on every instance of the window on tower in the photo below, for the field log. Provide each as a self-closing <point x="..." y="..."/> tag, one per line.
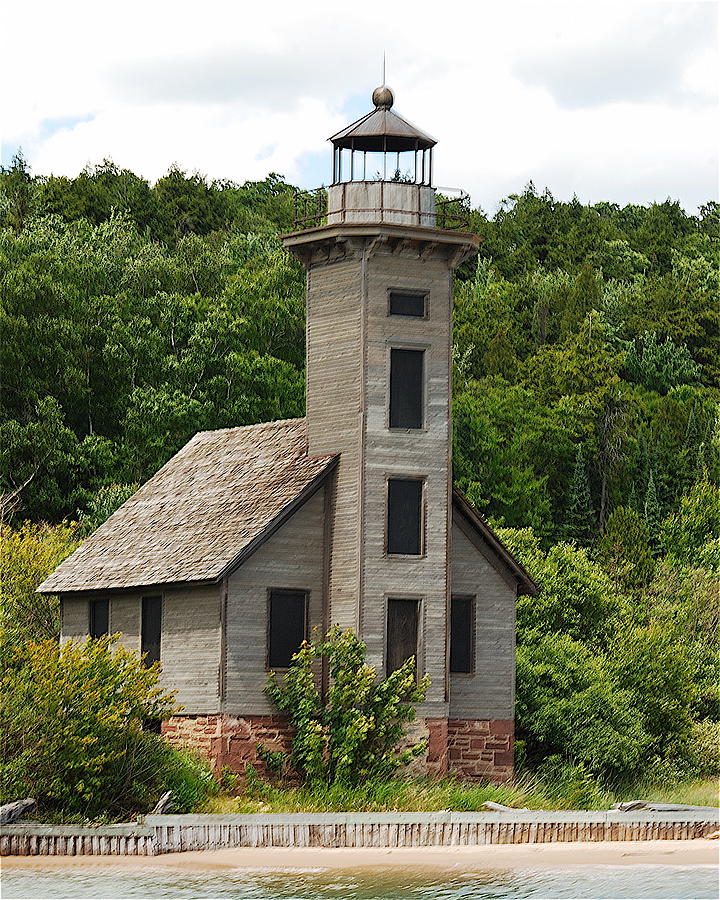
<point x="405" y="516"/>
<point x="402" y="633"/>
<point x="406" y="388"/>
<point x="407" y="303"/>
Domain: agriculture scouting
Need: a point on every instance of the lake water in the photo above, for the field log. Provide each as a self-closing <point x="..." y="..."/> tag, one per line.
<point x="591" y="882"/>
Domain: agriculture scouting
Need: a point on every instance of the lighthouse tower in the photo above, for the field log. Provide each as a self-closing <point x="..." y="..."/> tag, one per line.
<point x="379" y="267"/>
<point x="252" y="539"/>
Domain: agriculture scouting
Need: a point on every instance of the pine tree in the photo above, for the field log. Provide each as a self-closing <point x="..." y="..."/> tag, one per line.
<point x="693" y="434"/>
<point x="701" y="470"/>
<point x="652" y="506"/>
<point x="580" y="516"/>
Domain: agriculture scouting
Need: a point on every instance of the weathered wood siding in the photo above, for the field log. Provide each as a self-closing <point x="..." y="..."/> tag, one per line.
<point x="334" y="416"/>
<point x="74" y="620"/>
<point x="490" y="692"/>
<point x="190" y="647"/>
<point x="190" y="640"/>
<point x="124" y="618"/>
<point x="291" y="558"/>
<point x="420" y="453"/>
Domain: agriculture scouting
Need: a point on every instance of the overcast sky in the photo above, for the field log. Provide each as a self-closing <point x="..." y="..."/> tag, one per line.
<point x="609" y="101"/>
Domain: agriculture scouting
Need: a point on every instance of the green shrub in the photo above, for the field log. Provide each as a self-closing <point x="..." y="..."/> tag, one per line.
<point x="705" y="747"/>
<point x="29" y="554"/>
<point x="72" y="732"/>
<point x="188" y="778"/>
<point x="352" y="734"/>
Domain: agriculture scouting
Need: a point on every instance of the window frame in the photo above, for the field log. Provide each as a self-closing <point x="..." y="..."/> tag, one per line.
<point x="415" y="348"/>
<point x="268" y="610"/>
<point x="419" y="600"/>
<point x="423" y="515"/>
<point x="91" y="616"/>
<point x="422" y="292"/>
<point x="473" y="631"/>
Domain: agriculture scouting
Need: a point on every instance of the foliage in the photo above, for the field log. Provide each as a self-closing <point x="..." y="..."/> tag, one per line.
<point x="624" y="548"/>
<point x="103" y="504"/>
<point x="352" y="734"/>
<point x="691" y="535"/>
<point x="560" y="787"/>
<point x="586" y="411"/>
<point x="72" y="732"/>
<point x="660" y="367"/>
<point x="29" y="554"/>
<point x="579" y="516"/>
<point x="611" y="685"/>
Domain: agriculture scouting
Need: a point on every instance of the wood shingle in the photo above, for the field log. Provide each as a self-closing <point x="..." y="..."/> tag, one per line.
<point x="200" y="515"/>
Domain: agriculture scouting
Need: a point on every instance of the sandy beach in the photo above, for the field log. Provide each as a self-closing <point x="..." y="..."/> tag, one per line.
<point x="481" y="858"/>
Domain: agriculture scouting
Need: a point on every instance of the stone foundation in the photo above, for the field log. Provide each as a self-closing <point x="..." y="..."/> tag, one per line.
<point x="481" y="748"/>
<point x="472" y="749"/>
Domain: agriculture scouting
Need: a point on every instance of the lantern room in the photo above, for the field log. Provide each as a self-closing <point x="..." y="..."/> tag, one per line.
<point x="382" y="169"/>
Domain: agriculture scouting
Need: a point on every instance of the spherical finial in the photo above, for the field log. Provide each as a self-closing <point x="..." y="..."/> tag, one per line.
<point x="383" y="97"/>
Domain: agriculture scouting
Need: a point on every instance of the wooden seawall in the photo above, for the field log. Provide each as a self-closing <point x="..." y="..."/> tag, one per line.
<point x="171" y="834"/>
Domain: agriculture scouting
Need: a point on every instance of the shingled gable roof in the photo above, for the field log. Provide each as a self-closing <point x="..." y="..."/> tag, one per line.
<point x="204" y="512"/>
<point x="525" y="583"/>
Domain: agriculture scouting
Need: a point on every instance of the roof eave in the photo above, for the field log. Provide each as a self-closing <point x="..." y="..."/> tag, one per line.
<point x="525" y="583"/>
<point x="304" y="495"/>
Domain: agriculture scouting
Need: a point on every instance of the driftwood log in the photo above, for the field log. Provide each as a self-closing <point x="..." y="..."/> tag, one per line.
<point x="162" y="805"/>
<point x="11" y="812"/>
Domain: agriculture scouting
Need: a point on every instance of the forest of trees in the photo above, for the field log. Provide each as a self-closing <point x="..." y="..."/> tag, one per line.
<point x="585" y="411"/>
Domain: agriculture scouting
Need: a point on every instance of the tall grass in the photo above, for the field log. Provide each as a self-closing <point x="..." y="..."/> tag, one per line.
<point x="431" y="795"/>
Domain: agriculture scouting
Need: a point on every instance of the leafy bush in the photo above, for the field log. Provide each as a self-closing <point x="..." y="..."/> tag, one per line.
<point x="29" y="554"/>
<point x="72" y="732"/>
<point x="351" y="736"/>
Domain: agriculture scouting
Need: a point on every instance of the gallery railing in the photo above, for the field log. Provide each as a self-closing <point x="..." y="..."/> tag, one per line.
<point x="452" y="211"/>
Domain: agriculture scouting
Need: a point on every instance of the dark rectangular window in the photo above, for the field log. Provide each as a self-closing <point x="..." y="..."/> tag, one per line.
<point x="407" y="303"/>
<point x="406" y="388"/>
<point x="287" y="627"/>
<point x="99" y="618"/>
<point x="151" y="629"/>
<point x="404" y="516"/>
<point x="402" y="632"/>
<point x="462" y="635"/>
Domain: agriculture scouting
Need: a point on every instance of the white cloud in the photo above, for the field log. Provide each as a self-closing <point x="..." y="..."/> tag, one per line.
<point x="609" y="101"/>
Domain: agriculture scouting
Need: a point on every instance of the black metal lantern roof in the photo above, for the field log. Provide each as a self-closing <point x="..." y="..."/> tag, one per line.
<point x="382" y="130"/>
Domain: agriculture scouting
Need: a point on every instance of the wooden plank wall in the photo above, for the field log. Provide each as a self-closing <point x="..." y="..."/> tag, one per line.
<point x="190" y="647"/>
<point x="291" y="558"/>
<point x="421" y="453"/>
<point x="190" y="641"/>
<point x="334" y="415"/>
<point x="489" y="692"/>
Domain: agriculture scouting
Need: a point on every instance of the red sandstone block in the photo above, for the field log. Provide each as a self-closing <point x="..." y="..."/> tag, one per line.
<point x="477" y="743"/>
<point x="502" y="726"/>
<point x="496" y="745"/>
<point x="454" y="753"/>
<point x="505" y="758"/>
